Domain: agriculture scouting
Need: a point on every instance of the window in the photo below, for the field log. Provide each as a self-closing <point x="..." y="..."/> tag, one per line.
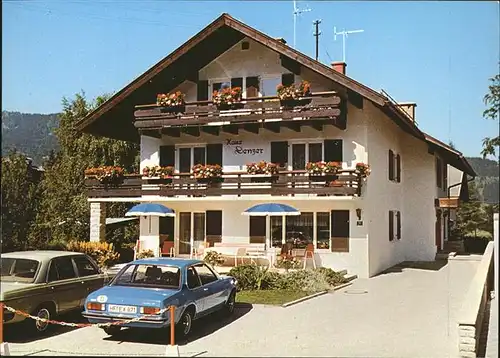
<point x="299" y="230"/>
<point x="84" y="266"/>
<point x="213" y="226"/>
<point x="192" y="278"/>
<point x="394" y="167"/>
<point x="441" y="173"/>
<point x="279" y="153"/>
<point x="269" y="86"/>
<point x="53" y="275"/>
<point x="144" y="275"/>
<point x="306" y="152"/>
<point x="18" y="270"/>
<point x="167" y="155"/>
<point x="323" y="230"/>
<point x="205" y="274"/>
<point x="65" y="268"/>
<point x="394" y="225"/>
<point x="276" y="231"/>
<point x="257" y="229"/>
<point x="188" y="157"/>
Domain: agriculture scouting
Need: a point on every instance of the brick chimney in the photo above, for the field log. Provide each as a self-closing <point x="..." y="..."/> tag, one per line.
<point x="339" y="67"/>
<point x="281" y="39"/>
<point x="408" y="108"/>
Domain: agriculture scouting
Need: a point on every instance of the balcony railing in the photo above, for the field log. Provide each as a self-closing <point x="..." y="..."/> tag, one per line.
<point x="318" y="106"/>
<point x="345" y="183"/>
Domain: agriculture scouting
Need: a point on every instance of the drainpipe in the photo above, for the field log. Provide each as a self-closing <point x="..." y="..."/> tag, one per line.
<point x="449" y="209"/>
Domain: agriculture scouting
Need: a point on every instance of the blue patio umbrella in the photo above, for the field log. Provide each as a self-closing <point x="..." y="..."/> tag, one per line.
<point x="150" y="209"/>
<point x="268" y="210"/>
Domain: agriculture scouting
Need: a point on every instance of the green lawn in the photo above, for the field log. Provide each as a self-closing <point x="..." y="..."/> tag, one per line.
<point x="269" y="297"/>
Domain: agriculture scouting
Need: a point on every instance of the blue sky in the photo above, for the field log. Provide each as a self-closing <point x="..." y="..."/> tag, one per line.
<point x="438" y="54"/>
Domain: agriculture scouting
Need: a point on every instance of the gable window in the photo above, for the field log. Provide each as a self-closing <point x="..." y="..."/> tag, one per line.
<point x="269" y="85"/>
<point x="394" y="166"/>
<point x="394" y="225"/>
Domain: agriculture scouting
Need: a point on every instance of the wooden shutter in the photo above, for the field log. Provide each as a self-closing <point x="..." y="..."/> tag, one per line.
<point x="391" y="225"/>
<point x="439" y="172"/>
<point x="333" y="150"/>
<point x="279" y="153"/>
<point x="340" y="230"/>
<point x="257" y="229"/>
<point x="398" y="224"/>
<point x="202" y="91"/>
<point x="445" y="176"/>
<point x="237" y="82"/>
<point x="213" y="228"/>
<point x="398" y="168"/>
<point x="252" y="87"/>
<point x="167" y="155"/>
<point x="214" y="154"/>
<point x="391" y="164"/>
<point x="287" y="79"/>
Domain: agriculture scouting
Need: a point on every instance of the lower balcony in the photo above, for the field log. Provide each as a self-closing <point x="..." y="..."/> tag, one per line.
<point x="288" y="183"/>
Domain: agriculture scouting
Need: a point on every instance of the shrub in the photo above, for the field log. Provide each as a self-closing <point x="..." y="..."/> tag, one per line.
<point x="144" y="254"/>
<point x="305" y="280"/>
<point x="252" y="277"/>
<point x="102" y="252"/>
<point x="333" y="278"/>
<point x="214" y="258"/>
<point x="288" y="263"/>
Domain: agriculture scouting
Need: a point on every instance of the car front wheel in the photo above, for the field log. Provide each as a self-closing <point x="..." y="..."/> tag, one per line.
<point x="230" y="303"/>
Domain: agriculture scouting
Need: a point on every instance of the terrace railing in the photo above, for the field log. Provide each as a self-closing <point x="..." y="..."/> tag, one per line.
<point x="288" y="183"/>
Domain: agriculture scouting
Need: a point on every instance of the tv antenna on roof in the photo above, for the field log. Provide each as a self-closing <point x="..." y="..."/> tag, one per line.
<point x="296" y="12"/>
<point x="344" y="34"/>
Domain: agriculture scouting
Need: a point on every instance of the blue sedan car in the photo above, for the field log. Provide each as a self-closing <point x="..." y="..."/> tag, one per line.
<point x="149" y="286"/>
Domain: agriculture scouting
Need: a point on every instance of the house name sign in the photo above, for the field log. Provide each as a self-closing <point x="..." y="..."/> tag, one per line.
<point x="238" y="149"/>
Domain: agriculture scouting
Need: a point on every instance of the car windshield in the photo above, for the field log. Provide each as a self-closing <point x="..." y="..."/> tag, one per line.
<point x="18" y="270"/>
<point x="149" y="275"/>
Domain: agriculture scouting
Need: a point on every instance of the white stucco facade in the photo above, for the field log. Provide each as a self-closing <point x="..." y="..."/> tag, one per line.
<point x="369" y="136"/>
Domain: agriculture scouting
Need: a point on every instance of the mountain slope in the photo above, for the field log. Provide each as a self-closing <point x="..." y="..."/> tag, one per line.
<point x="29" y="133"/>
<point x="487" y="181"/>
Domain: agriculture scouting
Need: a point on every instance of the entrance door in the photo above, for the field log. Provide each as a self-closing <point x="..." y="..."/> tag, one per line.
<point x="191" y="227"/>
<point x="438" y="230"/>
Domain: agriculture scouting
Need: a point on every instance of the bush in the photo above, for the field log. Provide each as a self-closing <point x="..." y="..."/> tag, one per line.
<point x="333" y="278"/>
<point x="288" y="263"/>
<point x="102" y="252"/>
<point x="214" y="258"/>
<point x="144" y="254"/>
<point x="252" y="277"/>
<point x="304" y="280"/>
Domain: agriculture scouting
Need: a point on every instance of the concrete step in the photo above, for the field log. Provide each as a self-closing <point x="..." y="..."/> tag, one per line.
<point x="350" y="278"/>
<point x="442" y="256"/>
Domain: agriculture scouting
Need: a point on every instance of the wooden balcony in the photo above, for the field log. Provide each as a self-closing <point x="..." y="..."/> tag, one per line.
<point x="250" y="114"/>
<point x="289" y="183"/>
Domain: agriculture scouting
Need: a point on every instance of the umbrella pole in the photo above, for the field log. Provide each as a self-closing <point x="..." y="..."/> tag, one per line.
<point x="268" y="229"/>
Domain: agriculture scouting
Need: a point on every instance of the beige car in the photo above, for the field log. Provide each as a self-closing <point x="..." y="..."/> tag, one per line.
<point x="46" y="283"/>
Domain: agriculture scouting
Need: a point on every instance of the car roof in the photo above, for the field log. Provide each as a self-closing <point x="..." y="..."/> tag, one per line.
<point x="179" y="262"/>
<point x="39" y="254"/>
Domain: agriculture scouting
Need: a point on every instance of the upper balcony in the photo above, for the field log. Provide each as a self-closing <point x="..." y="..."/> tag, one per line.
<point x="287" y="183"/>
<point x="249" y="114"/>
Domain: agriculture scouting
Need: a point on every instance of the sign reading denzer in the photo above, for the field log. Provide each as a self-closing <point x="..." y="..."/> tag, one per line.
<point x="238" y="153"/>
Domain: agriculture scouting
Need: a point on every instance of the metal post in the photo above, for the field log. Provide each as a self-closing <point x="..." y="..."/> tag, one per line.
<point x="172" y="325"/>
<point x="495" y="251"/>
<point x="1" y="322"/>
<point x="316" y="34"/>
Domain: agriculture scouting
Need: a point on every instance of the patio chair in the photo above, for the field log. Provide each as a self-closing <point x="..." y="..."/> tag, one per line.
<point x="199" y="252"/>
<point x="167" y="249"/>
<point x="309" y="254"/>
<point x="241" y="253"/>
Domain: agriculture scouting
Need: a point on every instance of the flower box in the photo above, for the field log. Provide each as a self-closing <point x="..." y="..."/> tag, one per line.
<point x="262" y="167"/>
<point x="319" y="168"/>
<point x="227" y="98"/>
<point x="108" y="175"/>
<point x="292" y="95"/>
<point x="171" y="102"/>
<point x="363" y="169"/>
<point x="208" y="171"/>
<point x="157" y="171"/>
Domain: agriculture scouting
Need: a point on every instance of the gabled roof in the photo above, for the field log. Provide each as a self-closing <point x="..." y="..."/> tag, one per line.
<point x="185" y="62"/>
<point x="451" y="155"/>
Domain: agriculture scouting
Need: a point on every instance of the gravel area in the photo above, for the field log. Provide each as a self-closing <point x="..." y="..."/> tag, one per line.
<point x="407" y="312"/>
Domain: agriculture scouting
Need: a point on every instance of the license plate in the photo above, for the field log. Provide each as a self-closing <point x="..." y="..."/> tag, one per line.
<point x="122" y="309"/>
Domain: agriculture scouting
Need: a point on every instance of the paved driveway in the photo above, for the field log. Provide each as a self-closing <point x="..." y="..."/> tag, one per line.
<point x="406" y="312"/>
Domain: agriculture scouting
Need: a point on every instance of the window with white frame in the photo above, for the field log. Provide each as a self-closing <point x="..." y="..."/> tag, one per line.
<point x="269" y="85"/>
<point x="217" y="84"/>
<point x="303" y="152"/>
<point x="189" y="156"/>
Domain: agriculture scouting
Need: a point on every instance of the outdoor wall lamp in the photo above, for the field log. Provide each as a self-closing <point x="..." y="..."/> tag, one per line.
<point x="358" y="213"/>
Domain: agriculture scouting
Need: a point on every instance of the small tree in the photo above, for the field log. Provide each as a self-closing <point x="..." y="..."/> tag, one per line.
<point x="472" y="216"/>
<point x="492" y="101"/>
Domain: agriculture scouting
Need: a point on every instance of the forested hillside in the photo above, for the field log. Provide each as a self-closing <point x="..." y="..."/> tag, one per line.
<point x="487" y="181"/>
<point x="29" y="133"/>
